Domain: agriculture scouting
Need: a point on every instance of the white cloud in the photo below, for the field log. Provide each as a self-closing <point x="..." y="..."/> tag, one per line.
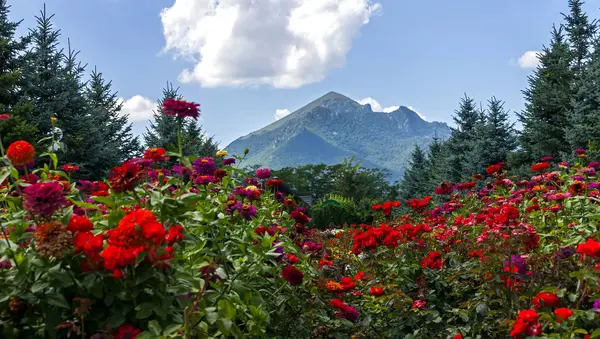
<point x="138" y="108"/>
<point x="376" y="106"/>
<point x="529" y="59"/>
<point x="280" y="113"/>
<point x="281" y="43"/>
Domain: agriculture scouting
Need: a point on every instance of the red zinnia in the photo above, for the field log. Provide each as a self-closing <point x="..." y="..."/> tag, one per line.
<point x="562" y="314"/>
<point x="180" y="108"/>
<point x="376" y="291"/>
<point x="546" y="299"/>
<point x="156" y="154"/>
<point x="292" y="275"/>
<point x="540" y="166"/>
<point x="127" y="331"/>
<point x="4" y="116"/>
<point x="125" y="177"/>
<point x="591" y="247"/>
<point x="79" y="224"/>
<point x="20" y="153"/>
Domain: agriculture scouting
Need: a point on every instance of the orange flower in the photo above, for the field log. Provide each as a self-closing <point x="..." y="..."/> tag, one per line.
<point x="334" y="286"/>
<point x="20" y="153"/>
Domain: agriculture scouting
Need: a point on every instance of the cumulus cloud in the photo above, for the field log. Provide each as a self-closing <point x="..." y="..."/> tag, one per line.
<point x="376" y="106"/>
<point x="529" y="59"/>
<point x="284" y="44"/>
<point x="280" y="113"/>
<point x="138" y="108"/>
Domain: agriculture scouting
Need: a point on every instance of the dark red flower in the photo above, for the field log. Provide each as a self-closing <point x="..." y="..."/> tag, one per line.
<point x="44" y="198"/>
<point x="70" y="168"/>
<point x="125" y="177"/>
<point x="180" y="108"/>
<point x="292" y="275"/>
<point x="127" y="331"/>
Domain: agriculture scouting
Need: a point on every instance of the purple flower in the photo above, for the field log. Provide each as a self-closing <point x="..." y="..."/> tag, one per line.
<point x="578" y="178"/>
<point x="546" y="159"/>
<point x="204" y="166"/>
<point x="228" y="161"/>
<point x="247" y="211"/>
<point x="311" y="247"/>
<point x="594" y="184"/>
<point x="597" y="305"/>
<point x="263" y="173"/>
<point x="564" y="253"/>
<point x="594" y="164"/>
<point x="43" y="198"/>
<point x="5" y="265"/>
<point x="279" y="251"/>
<point x="251" y="181"/>
<point x="518" y="262"/>
<point x="204" y="179"/>
<point x="180" y="170"/>
<point x="29" y="166"/>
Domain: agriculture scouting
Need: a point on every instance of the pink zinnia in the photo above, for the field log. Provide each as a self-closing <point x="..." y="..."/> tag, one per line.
<point x="43" y="198"/>
<point x="263" y="173"/>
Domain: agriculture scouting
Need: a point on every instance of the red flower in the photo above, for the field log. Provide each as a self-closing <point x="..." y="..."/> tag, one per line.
<point x="156" y="154"/>
<point x="4" y="116"/>
<point x="20" y="153"/>
<point x="344" y="311"/>
<point x="70" y="168"/>
<point x="325" y="262"/>
<point x="527" y="322"/>
<point x="292" y="258"/>
<point x="359" y="276"/>
<point x="591" y="247"/>
<point x="432" y="261"/>
<point x="418" y="304"/>
<point x="274" y="182"/>
<point x="347" y="284"/>
<point x="546" y="299"/>
<point x="540" y="167"/>
<point x="175" y="234"/>
<point x="127" y="331"/>
<point x="563" y="314"/>
<point x="180" y="108"/>
<point x="458" y="336"/>
<point x="88" y="243"/>
<point x="292" y="275"/>
<point x="125" y="177"/>
<point x="493" y="169"/>
<point x="79" y="224"/>
<point x="299" y="216"/>
<point x="376" y="291"/>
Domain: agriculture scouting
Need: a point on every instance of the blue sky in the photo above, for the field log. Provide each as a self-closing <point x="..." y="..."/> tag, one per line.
<point x="425" y="54"/>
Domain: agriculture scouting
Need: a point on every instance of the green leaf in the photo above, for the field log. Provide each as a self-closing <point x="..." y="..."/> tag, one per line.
<point x="224" y="325"/>
<point x="226" y="309"/>
<point x="185" y="161"/>
<point x="147" y="335"/>
<point x="104" y="200"/>
<point x="57" y="300"/>
<point x="171" y="329"/>
<point x="144" y="310"/>
<point x="595" y="334"/>
<point x="154" y="327"/>
<point x="38" y="286"/>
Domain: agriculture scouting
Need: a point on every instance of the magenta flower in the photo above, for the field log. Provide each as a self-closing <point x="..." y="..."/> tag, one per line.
<point x="263" y="173"/>
<point x="204" y="166"/>
<point x="181" y="108"/>
<point x="44" y="198"/>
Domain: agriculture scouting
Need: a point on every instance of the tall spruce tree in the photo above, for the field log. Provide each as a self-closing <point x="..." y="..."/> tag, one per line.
<point x="460" y="145"/>
<point x="163" y="131"/>
<point x="499" y="137"/>
<point x="580" y="32"/>
<point x="436" y="156"/>
<point x="415" y="181"/>
<point x="548" y="102"/>
<point x="43" y="74"/>
<point x="11" y="80"/>
<point x="105" y="109"/>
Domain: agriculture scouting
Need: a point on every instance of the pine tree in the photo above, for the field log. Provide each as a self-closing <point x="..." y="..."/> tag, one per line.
<point x="163" y="131"/>
<point x="43" y="74"/>
<point x="580" y="32"/>
<point x="585" y="117"/>
<point x="548" y="102"/>
<point x="499" y="134"/>
<point x="460" y="145"/>
<point x="11" y="81"/>
<point x="436" y="160"/>
<point x="105" y="108"/>
<point x="415" y="181"/>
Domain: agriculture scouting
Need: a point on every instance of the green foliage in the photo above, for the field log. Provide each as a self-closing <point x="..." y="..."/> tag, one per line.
<point x="338" y="211"/>
<point x="416" y="178"/>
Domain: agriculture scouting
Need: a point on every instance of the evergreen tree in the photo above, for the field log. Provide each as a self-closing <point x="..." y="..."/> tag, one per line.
<point x="163" y="131"/>
<point x="548" y="102"/>
<point x="105" y="108"/>
<point x="43" y="74"/>
<point x="415" y="181"/>
<point x="460" y="145"/>
<point x="498" y="135"/>
<point x="11" y="81"/>
<point x="580" y="32"/>
<point x="435" y="159"/>
<point x="585" y="117"/>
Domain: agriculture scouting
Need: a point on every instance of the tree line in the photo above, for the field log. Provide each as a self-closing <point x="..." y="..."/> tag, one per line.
<point x="561" y="114"/>
<point x="40" y="80"/>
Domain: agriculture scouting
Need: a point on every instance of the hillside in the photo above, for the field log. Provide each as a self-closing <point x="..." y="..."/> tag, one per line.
<point x="334" y="127"/>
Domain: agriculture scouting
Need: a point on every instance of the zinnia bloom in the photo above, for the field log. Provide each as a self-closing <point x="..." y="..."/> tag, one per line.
<point x="563" y="314"/>
<point x="540" y="167"/>
<point x="376" y="291"/>
<point x="292" y="275"/>
<point x="526" y="323"/>
<point x="204" y="166"/>
<point x="52" y="239"/>
<point x="79" y="224"/>
<point x="156" y="154"/>
<point x="127" y="331"/>
<point x="125" y="177"/>
<point x="180" y="108"/>
<point x="20" y="153"/>
<point x="4" y="116"/>
<point x="70" y="168"/>
<point x="43" y="198"/>
<point x="228" y="161"/>
<point x="546" y="299"/>
<point x="591" y="247"/>
<point x="263" y="173"/>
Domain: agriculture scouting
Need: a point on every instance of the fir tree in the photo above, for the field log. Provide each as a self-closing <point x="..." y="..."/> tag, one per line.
<point x="11" y="81"/>
<point x="105" y="109"/>
<point x="435" y="160"/>
<point x="415" y="181"/>
<point x="499" y="134"/>
<point x="468" y="121"/>
<point x="196" y="142"/>
<point x="580" y="32"/>
<point x="43" y="74"/>
<point x="548" y="101"/>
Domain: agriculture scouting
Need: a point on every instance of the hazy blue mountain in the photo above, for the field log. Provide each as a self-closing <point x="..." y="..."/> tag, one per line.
<point x="335" y="127"/>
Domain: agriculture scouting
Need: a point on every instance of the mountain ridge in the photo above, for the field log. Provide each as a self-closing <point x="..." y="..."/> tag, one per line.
<point x="334" y="126"/>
